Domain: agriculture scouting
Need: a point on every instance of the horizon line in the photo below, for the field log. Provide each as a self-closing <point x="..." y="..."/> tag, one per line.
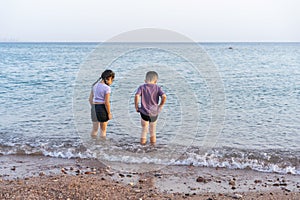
<point x="149" y="42"/>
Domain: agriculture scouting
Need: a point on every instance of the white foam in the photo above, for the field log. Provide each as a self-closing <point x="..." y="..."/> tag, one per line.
<point x="215" y="159"/>
<point x="207" y="161"/>
<point x="70" y="153"/>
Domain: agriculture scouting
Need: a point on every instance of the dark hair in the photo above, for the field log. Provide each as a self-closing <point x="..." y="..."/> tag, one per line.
<point x="151" y="76"/>
<point x="105" y="75"/>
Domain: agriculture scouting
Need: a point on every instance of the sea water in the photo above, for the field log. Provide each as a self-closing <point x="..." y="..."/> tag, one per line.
<point x="45" y="87"/>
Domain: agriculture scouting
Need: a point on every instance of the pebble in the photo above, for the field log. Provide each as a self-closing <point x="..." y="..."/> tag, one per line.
<point x="287" y="190"/>
<point x="41" y="173"/>
<point x="19" y="182"/>
<point x="110" y="174"/>
<point x="232" y="182"/>
<point x="131" y="183"/>
<point x="237" y="196"/>
<point x="142" y="180"/>
<point x="77" y="172"/>
<point x="200" y="179"/>
<point x="88" y="172"/>
<point x="258" y="181"/>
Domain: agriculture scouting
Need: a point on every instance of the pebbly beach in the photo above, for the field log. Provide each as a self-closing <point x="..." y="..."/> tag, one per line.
<point x="40" y="177"/>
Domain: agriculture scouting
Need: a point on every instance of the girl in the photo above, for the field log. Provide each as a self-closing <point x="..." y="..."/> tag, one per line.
<point x="100" y="105"/>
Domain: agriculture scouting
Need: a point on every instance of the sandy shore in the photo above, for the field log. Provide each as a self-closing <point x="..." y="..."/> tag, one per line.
<point x="37" y="177"/>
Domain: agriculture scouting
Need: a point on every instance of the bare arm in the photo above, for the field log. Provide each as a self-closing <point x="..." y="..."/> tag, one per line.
<point x="162" y="102"/>
<point x="136" y="102"/>
<point x="107" y="105"/>
<point x="91" y="97"/>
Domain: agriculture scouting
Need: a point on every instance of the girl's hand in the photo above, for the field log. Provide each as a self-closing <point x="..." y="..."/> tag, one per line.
<point x="109" y="116"/>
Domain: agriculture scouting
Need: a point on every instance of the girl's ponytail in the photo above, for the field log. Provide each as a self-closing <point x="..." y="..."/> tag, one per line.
<point x="97" y="81"/>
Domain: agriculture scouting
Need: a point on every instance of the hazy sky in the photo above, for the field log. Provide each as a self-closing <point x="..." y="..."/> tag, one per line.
<point x="200" y="20"/>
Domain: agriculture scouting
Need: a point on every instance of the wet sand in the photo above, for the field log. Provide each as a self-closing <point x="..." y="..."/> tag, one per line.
<point x="38" y="177"/>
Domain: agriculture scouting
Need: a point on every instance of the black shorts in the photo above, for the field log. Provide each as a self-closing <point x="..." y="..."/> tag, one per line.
<point x="148" y="118"/>
<point x="99" y="113"/>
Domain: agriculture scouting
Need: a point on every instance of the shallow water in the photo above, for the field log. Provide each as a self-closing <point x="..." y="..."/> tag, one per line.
<point x="45" y="87"/>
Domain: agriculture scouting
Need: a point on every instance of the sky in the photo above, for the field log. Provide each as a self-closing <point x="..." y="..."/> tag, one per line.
<point x="200" y="20"/>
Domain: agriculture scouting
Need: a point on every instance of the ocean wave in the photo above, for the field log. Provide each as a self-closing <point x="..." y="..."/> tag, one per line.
<point x="62" y="152"/>
<point x="211" y="160"/>
<point x="274" y="161"/>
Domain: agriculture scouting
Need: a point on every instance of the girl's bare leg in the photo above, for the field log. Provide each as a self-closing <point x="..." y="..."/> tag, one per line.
<point x="95" y="129"/>
<point x="145" y="126"/>
<point x="153" y="132"/>
<point x="103" y="126"/>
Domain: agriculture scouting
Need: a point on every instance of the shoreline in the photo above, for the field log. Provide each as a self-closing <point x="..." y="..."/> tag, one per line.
<point x="30" y="177"/>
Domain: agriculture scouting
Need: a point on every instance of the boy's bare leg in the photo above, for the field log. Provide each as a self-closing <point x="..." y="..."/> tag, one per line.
<point x="103" y="126"/>
<point x="145" y="125"/>
<point x="153" y="132"/>
<point x="95" y="129"/>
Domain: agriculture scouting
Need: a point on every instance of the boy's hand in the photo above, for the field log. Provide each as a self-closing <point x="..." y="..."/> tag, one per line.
<point x="160" y="107"/>
<point x="163" y="101"/>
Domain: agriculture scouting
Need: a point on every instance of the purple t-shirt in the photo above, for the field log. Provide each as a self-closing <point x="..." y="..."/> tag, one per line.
<point x="150" y="94"/>
<point x="100" y="90"/>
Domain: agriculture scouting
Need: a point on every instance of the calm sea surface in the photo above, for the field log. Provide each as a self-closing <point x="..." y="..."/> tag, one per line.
<point x="239" y="109"/>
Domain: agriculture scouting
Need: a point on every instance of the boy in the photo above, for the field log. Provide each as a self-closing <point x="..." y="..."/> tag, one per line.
<point x="149" y="110"/>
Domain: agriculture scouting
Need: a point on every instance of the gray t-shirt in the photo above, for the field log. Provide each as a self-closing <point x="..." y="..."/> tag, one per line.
<point x="150" y="94"/>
